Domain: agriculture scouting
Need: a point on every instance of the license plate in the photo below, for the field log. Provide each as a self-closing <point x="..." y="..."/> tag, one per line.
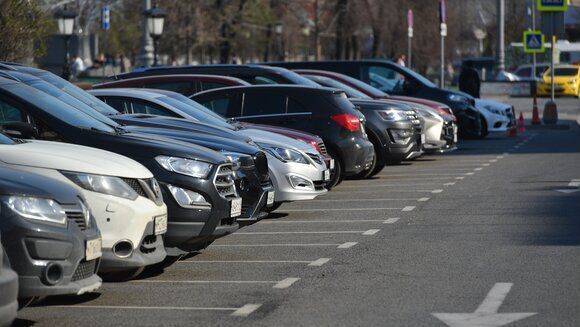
<point x="236" y="207"/>
<point x="331" y="164"/>
<point x="160" y="225"/>
<point x="93" y="249"/>
<point x="327" y="175"/>
<point x="270" y="200"/>
<point x="422" y="138"/>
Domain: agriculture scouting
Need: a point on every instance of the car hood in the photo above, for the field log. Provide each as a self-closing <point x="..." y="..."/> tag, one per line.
<point x="263" y="136"/>
<point x="70" y="157"/>
<point x="22" y="183"/>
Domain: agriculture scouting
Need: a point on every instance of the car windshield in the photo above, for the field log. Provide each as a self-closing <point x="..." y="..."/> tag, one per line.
<point x="70" y="100"/>
<point x="6" y="140"/>
<point x="329" y="82"/>
<point x="568" y="71"/>
<point x="195" y="110"/>
<point x="79" y="94"/>
<point x="58" y="109"/>
<point x="418" y="77"/>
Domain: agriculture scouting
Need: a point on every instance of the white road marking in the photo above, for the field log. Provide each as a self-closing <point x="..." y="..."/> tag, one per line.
<point x="286" y="283"/>
<point x="243" y="261"/>
<point x="478" y="169"/>
<point x="152" y="281"/>
<point x="319" y="262"/>
<point x="574" y="183"/>
<point x="485" y="165"/>
<point x="336" y="209"/>
<point x="246" y="310"/>
<point x="371" y="232"/>
<point x="437" y="191"/>
<point x="384" y="185"/>
<point x="363" y="200"/>
<point x="487" y="312"/>
<point x="499" y="157"/>
<point x="452" y="173"/>
<point x="408" y="208"/>
<point x="306" y="232"/>
<point x="460" y="177"/>
<point x="449" y="184"/>
<point x="390" y="221"/>
<point x="338" y="192"/>
<point x="347" y="245"/>
<point x="423" y="199"/>
<point x="276" y="245"/>
<point x="493" y="160"/>
<point x="470" y="173"/>
<point x="321" y="221"/>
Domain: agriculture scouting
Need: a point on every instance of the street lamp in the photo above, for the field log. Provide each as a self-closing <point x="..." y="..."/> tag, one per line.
<point x="279" y="29"/>
<point x="306" y="32"/>
<point x="155" y="19"/>
<point x="66" y="21"/>
<point x="480" y="35"/>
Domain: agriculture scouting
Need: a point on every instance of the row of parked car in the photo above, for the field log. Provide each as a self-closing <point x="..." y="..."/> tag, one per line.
<point x="156" y="164"/>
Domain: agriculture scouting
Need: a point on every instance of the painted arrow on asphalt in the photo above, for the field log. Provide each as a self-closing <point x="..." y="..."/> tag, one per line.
<point x="486" y="315"/>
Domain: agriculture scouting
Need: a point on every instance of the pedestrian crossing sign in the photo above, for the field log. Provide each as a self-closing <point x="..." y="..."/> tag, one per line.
<point x="533" y="42"/>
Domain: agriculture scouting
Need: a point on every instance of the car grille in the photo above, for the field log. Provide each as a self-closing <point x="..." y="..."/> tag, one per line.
<point x="85" y="270"/>
<point x="319" y="185"/>
<point x="224" y="181"/>
<point x="136" y="186"/>
<point x="144" y="188"/>
<point x="322" y="147"/>
<point x="412" y="115"/>
<point x="261" y="163"/>
<point x="78" y="217"/>
<point x="148" y="244"/>
<point x="315" y="157"/>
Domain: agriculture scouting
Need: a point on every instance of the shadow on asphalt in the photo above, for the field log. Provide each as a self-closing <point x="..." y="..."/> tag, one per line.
<point x="67" y="300"/>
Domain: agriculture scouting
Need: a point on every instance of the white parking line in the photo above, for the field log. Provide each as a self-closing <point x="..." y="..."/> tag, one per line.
<point x="252" y="261"/>
<point x="478" y="169"/>
<point x="319" y="262"/>
<point x="307" y="232"/>
<point x="345" y="245"/>
<point x="423" y="199"/>
<point x="408" y="208"/>
<point x="470" y="173"/>
<point x="336" y="209"/>
<point x="437" y="191"/>
<point x="371" y="232"/>
<point x="499" y="157"/>
<point x="431" y="174"/>
<point x="286" y="283"/>
<point x="321" y="221"/>
<point x="246" y="310"/>
<point x="384" y="185"/>
<point x="485" y="165"/>
<point x="364" y="200"/>
<point x="460" y="177"/>
<point x="493" y="160"/>
<point x="338" y="192"/>
<point x="449" y="184"/>
<point x="390" y="221"/>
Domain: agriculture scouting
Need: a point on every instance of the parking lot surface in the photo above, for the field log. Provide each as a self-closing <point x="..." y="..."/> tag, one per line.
<point x="491" y="230"/>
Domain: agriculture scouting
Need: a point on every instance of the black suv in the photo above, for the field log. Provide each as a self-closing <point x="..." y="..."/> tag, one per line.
<point x="8" y="289"/>
<point x="44" y="239"/>
<point x="321" y="111"/>
<point x="398" y="80"/>
<point x="197" y="183"/>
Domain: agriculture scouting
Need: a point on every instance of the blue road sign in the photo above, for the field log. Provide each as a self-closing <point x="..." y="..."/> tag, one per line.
<point x="106" y="18"/>
<point x="553" y="5"/>
<point x="533" y="42"/>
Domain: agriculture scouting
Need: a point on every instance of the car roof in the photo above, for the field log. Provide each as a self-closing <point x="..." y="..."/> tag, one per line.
<point x="285" y="87"/>
<point x="230" y="67"/>
<point x="176" y="77"/>
<point x="128" y="92"/>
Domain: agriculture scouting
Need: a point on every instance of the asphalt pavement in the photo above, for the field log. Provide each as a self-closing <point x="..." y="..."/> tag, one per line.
<point x="488" y="234"/>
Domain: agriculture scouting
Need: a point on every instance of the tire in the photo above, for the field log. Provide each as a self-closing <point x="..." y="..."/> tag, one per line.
<point x="337" y="174"/>
<point x="275" y="206"/>
<point x="484" y="129"/>
<point x="122" y="276"/>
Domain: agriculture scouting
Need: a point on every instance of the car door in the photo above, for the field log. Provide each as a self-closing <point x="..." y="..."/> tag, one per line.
<point x="263" y="107"/>
<point x="226" y="104"/>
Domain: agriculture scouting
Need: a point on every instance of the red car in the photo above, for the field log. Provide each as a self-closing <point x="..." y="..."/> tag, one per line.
<point x="190" y="84"/>
<point x="373" y="92"/>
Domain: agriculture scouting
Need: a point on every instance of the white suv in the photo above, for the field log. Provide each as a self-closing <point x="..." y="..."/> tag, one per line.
<point x="122" y="194"/>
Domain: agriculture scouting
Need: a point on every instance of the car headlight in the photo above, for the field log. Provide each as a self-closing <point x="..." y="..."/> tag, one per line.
<point x="572" y="82"/>
<point x="284" y="154"/>
<point x="39" y="209"/>
<point x="458" y="98"/>
<point x="103" y="184"/>
<point x="189" y="167"/>
<point x="392" y="114"/>
<point x="188" y="199"/>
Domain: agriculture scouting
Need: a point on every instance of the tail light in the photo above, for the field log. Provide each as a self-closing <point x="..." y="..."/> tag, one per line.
<point x="350" y="122"/>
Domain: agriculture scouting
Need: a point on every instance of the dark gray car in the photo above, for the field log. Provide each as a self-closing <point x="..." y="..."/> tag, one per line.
<point x="8" y="290"/>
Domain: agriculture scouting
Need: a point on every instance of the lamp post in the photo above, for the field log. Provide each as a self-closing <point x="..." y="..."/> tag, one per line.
<point x="279" y="29"/>
<point x="66" y="21"/>
<point x="306" y="33"/>
<point x="155" y="19"/>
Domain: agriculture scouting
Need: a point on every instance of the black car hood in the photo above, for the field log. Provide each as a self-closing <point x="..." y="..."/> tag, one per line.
<point x="141" y="145"/>
<point x="378" y="104"/>
<point x="178" y="123"/>
<point x="214" y="142"/>
<point x="21" y="183"/>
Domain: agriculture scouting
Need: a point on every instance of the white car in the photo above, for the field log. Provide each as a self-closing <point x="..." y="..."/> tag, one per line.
<point x="498" y="116"/>
<point x="297" y="170"/>
<point x="122" y="195"/>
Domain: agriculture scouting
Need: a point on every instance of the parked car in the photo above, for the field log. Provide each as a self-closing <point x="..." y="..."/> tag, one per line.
<point x="8" y="288"/>
<point x="398" y="80"/>
<point x="322" y="111"/>
<point x="195" y="182"/>
<point x="524" y="72"/>
<point x="498" y="117"/>
<point x="286" y="156"/>
<point x="49" y="235"/>
<point x="566" y="81"/>
<point x="186" y="84"/>
<point x="123" y="196"/>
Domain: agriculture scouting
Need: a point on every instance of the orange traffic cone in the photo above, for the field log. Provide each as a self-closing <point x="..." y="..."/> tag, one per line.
<point x="521" y="124"/>
<point x="535" y="113"/>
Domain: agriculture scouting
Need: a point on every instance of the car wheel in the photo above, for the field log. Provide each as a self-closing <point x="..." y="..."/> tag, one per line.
<point x="275" y="206"/>
<point x="122" y="276"/>
<point x="337" y="174"/>
<point x="483" y="131"/>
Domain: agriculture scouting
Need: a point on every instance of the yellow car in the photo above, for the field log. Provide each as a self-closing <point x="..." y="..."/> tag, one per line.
<point x="566" y="81"/>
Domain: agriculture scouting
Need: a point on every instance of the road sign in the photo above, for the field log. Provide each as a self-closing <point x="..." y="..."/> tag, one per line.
<point x="410" y="18"/>
<point x="533" y="42"/>
<point x="442" y="10"/>
<point x="106" y="18"/>
<point x="553" y="5"/>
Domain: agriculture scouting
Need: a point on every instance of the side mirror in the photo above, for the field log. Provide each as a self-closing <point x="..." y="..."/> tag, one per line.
<point x="20" y="130"/>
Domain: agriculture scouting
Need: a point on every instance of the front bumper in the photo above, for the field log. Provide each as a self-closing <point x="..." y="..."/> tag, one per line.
<point x="544" y="89"/>
<point x="280" y="173"/>
<point x="8" y="295"/>
<point x="33" y="247"/>
<point x="254" y="191"/>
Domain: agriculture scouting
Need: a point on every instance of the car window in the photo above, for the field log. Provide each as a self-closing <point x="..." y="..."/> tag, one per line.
<point x="221" y="104"/>
<point x="524" y="72"/>
<point x="263" y="80"/>
<point x="9" y="113"/>
<point x="294" y="106"/>
<point x="386" y="79"/>
<point x="150" y="108"/>
<point x="212" y="85"/>
<point x="195" y="110"/>
<point x="565" y="71"/>
<point x="118" y="103"/>
<point x="263" y="103"/>
<point x="185" y="88"/>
